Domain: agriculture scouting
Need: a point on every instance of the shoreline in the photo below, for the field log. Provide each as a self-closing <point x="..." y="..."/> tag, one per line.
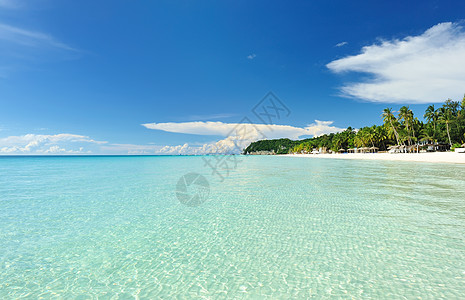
<point x="432" y="157"/>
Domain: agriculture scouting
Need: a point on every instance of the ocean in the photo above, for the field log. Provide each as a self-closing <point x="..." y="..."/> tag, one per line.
<point x="230" y="227"/>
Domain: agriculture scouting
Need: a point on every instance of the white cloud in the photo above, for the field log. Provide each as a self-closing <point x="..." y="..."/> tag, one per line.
<point x="63" y="143"/>
<point x="30" y="38"/>
<point x="20" y="47"/>
<point x="58" y="150"/>
<point x="237" y="135"/>
<point x="426" y="68"/>
<point x="180" y="149"/>
<point x="150" y="149"/>
<point x="341" y="44"/>
<point x="130" y="149"/>
<point x="251" y="56"/>
<point x="227" y="129"/>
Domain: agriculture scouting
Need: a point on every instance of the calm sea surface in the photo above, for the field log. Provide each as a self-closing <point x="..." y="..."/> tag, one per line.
<point x="275" y="227"/>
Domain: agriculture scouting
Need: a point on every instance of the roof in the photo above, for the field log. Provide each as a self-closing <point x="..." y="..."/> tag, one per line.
<point x="438" y="144"/>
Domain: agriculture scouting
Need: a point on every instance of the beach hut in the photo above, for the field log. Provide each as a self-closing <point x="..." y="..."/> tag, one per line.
<point x="410" y="149"/>
<point x="374" y="149"/>
<point x="403" y="149"/>
<point x="430" y="147"/>
<point x="323" y="150"/>
<point x="364" y="149"/>
<point x="342" y="150"/>
<point x="393" y="149"/>
<point x="441" y="147"/>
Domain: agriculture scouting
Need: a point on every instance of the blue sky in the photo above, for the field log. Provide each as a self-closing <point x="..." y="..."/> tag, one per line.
<point x="84" y="76"/>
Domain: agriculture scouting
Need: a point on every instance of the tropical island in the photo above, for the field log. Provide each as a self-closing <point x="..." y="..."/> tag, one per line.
<point x="443" y="129"/>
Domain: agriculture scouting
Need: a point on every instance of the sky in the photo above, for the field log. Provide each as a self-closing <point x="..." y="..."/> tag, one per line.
<point x="196" y="77"/>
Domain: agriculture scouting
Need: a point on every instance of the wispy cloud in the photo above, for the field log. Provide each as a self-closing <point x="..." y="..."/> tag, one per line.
<point x="20" y="47"/>
<point x="30" y="38"/>
<point x="237" y="135"/>
<point x="251" y="56"/>
<point x="341" y="44"/>
<point x="426" y="68"/>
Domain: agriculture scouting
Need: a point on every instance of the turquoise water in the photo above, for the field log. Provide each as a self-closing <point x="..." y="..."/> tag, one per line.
<point x="276" y="227"/>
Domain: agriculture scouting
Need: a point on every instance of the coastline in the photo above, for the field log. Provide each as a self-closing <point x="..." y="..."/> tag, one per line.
<point x="433" y="157"/>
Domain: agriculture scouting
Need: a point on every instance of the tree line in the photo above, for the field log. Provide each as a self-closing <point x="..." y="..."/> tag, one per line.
<point x="445" y="124"/>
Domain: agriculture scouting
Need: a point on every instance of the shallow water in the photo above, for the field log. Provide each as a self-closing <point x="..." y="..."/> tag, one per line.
<point x="275" y="227"/>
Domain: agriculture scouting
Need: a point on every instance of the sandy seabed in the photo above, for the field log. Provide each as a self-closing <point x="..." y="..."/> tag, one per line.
<point x="433" y="157"/>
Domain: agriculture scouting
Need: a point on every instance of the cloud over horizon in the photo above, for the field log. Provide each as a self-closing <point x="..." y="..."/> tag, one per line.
<point x="46" y="144"/>
<point x="227" y="129"/>
<point x="427" y="68"/>
<point x="237" y="135"/>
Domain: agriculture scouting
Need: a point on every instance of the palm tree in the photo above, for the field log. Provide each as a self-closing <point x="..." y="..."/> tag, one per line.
<point x="445" y="116"/>
<point x="431" y="115"/>
<point x="461" y="112"/>
<point x="381" y="135"/>
<point x="463" y="103"/>
<point x="406" y="115"/>
<point x="337" y="142"/>
<point x="415" y="123"/>
<point x="370" y="135"/>
<point x="428" y="134"/>
<point x="389" y="117"/>
<point x="361" y="138"/>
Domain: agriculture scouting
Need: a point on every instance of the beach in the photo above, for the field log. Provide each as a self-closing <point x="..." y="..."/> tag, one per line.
<point x="430" y="157"/>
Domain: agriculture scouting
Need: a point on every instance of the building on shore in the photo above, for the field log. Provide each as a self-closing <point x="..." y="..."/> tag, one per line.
<point x="263" y="152"/>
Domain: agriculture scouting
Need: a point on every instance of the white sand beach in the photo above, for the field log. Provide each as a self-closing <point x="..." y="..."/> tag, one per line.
<point x="431" y="157"/>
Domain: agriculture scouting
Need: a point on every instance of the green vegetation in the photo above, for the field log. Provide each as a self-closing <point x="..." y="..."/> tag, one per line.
<point x="445" y="124"/>
<point x="281" y="146"/>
